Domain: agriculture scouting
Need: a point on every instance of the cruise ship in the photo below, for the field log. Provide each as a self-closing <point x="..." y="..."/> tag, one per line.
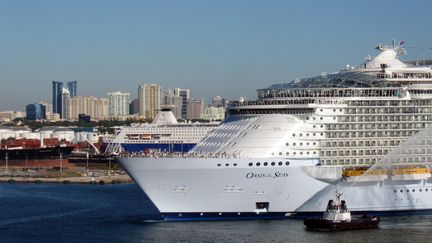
<point x="285" y="154"/>
<point x="164" y="134"/>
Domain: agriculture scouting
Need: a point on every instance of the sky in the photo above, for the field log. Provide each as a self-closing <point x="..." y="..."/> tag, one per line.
<point x="220" y="47"/>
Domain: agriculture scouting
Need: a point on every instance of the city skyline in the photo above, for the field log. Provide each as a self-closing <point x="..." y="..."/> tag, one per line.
<point x="228" y="48"/>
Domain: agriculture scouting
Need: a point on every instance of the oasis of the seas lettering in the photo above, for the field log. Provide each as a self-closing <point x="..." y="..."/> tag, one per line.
<point x="278" y="174"/>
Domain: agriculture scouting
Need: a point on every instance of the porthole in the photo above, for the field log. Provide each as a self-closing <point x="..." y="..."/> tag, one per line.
<point x="273" y="163"/>
<point x="287" y="144"/>
<point x="395" y="191"/>
<point x="287" y="163"/>
<point x="426" y="190"/>
<point x="294" y="144"/>
<point x="407" y="190"/>
<point x="413" y="190"/>
<point x="301" y="144"/>
<point x="235" y="164"/>
<point x="420" y="190"/>
<point x="219" y="164"/>
<point x="250" y="164"/>
<point x="280" y="153"/>
<point x="401" y="190"/>
<point x="226" y="164"/>
<point x="280" y="163"/>
<point x="258" y="164"/>
<point x="265" y="163"/>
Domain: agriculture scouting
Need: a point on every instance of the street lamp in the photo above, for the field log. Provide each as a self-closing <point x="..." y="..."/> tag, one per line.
<point x="61" y="165"/>
<point x="6" y="158"/>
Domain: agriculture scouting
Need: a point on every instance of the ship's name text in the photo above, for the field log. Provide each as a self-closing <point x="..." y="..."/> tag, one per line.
<point x="278" y="174"/>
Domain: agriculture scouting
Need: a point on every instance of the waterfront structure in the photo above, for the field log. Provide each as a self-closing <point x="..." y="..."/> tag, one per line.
<point x="118" y="104"/>
<point x="195" y="108"/>
<point x="149" y="96"/>
<point x="96" y="108"/>
<point x="173" y="102"/>
<point x="57" y="93"/>
<point x="213" y="113"/>
<point x="285" y="154"/>
<point x="186" y="95"/>
<point x="35" y="112"/>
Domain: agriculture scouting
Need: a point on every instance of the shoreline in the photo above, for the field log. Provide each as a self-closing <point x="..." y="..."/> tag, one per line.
<point x="101" y="180"/>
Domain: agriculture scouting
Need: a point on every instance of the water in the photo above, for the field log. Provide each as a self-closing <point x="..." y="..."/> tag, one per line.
<point x="120" y="213"/>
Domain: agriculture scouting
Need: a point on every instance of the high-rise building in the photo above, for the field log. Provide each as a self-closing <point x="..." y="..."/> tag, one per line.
<point x="65" y="95"/>
<point x="96" y="108"/>
<point x="172" y="102"/>
<point x="186" y="95"/>
<point x="57" y="91"/>
<point x="219" y="101"/>
<point x="149" y="96"/>
<point x="195" y="108"/>
<point x="134" y="107"/>
<point x="213" y="113"/>
<point x="35" y="112"/>
<point x="118" y="104"/>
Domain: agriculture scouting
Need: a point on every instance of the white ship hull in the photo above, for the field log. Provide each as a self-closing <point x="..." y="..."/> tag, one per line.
<point x="197" y="188"/>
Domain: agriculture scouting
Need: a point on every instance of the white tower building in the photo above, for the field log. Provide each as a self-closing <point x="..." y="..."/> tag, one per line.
<point x="118" y="104"/>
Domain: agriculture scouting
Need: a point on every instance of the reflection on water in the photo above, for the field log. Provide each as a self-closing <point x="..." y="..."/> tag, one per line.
<point x="121" y="213"/>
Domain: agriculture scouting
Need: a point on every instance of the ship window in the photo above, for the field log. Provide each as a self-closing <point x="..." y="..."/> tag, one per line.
<point x="280" y="163"/>
<point x="401" y="190"/>
<point x="407" y="190"/>
<point x="273" y="164"/>
<point x="280" y="153"/>
<point x="235" y="164"/>
<point x="420" y="190"/>
<point x="395" y="191"/>
<point x="265" y="163"/>
<point x="258" y="164"/>
<point x="250" y="164"/>
<point x="219" y="164"/>
<point x="226" y="164"/>
<point x="287" y="144"/>
<point x="426" y="189"/>
<point x="413" y="190"/>
<point x="287" y="163"/>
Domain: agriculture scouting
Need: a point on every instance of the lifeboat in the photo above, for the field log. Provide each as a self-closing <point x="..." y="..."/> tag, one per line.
<point x="364" y="174"/>
<point x="410" y="173"/>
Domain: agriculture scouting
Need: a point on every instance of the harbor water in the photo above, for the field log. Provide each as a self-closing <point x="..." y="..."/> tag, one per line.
<point x="122" y="213"/>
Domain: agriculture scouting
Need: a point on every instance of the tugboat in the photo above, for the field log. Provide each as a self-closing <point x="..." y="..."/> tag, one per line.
<point x="338" y="217"/>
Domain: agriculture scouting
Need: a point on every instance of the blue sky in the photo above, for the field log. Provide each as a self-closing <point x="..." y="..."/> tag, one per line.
<point x="219" y="47"/>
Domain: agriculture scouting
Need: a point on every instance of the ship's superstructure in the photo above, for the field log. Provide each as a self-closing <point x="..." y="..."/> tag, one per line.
<point x="164" y="134"/>
<point x="282" y="154"/>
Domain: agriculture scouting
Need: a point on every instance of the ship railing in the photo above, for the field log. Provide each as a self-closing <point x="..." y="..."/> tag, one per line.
<point x="160" y="154"/>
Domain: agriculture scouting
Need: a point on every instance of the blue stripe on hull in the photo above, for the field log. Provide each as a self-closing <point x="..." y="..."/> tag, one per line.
<point x="168" y="147"/>
<point x="278" y="215"/>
